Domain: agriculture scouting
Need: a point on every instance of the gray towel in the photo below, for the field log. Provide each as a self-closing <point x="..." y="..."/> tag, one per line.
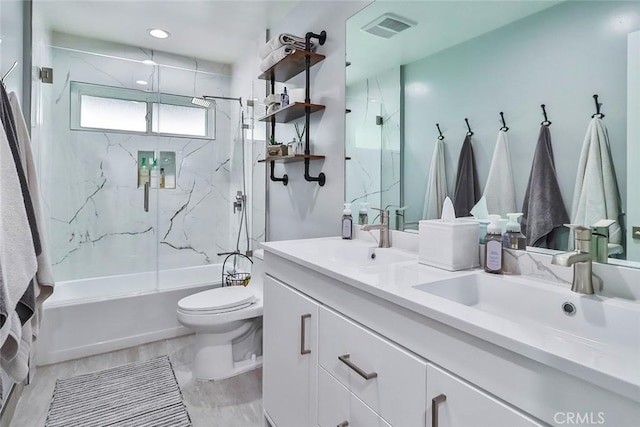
<point x="467" y="192"/>
<point x="543" y="208"/>
<point x="8" y="122"/>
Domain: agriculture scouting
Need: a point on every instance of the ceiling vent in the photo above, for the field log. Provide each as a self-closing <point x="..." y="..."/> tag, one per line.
<point x="388" y="25"/>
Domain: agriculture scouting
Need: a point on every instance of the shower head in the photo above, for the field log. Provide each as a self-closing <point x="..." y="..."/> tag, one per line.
<point x="202" y="102"/>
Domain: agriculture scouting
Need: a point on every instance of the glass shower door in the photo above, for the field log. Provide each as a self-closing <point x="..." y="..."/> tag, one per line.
<point x="92" y="133"/>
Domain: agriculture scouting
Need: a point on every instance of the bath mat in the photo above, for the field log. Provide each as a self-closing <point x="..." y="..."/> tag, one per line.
<point x="139" y="394"/>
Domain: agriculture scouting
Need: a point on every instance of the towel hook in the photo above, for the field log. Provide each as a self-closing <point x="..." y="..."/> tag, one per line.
<point x="546" y="120"/>
<point x="598" y="113"/>
<point x="504" y="125"/>
<point x="441" y="137"/>
<point x="468" y="127"/>
<point x="15" y="64"/>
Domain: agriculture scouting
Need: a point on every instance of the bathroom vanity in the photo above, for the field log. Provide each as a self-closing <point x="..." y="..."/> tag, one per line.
<point x="352" y="339"/>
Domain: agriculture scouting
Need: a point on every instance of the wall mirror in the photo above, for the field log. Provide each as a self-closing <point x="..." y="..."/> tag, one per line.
<point x="412" y="65"/>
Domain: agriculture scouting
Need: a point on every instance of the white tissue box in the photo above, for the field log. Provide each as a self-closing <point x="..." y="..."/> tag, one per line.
<point x="449" y="245"/>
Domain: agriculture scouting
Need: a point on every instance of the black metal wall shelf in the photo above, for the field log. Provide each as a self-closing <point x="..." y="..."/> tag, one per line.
<point x="290" y="66"/>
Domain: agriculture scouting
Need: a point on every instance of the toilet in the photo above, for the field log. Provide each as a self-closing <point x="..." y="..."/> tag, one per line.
<point x="227" y="322"/>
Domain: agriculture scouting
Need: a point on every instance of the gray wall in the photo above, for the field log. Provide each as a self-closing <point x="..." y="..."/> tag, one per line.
<point x="11" y="33"/>
<point x="559" y="57"/>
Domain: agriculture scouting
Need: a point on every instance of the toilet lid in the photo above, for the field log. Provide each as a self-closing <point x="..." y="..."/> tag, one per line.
<point x="218" y="299"/>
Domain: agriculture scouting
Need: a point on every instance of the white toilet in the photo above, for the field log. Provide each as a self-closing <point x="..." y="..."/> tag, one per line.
<point x="228" y="326"/>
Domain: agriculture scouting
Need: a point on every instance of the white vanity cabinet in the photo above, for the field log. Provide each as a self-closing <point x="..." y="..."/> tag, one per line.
<point x="455" y="403"/>
<point x="290" y="356"/>
<point x="375" y="361"/>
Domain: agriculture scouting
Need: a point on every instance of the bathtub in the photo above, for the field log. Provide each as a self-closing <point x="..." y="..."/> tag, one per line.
<point x="97" y="315"/>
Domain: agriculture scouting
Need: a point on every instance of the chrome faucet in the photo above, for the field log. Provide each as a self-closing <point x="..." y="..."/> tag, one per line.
<point x="580" y="259"/>
<point x="384" y="241"/>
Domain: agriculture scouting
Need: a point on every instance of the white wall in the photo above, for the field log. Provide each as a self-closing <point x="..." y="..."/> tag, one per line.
<point x="11" y="33"/>
<point x="559" y="57"/>
<point x="304" y="209"/>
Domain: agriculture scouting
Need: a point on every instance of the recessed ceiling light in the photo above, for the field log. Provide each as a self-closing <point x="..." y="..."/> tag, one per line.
<point x="149" y="62"/>
<point x="158" y="33"/>
<point x="142" y="82"/>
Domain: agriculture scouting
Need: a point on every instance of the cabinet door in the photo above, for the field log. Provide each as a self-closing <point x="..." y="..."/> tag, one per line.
<point x="290" y="356"/>
<point x="459" y="404"/>
<point x="337" y="406"/>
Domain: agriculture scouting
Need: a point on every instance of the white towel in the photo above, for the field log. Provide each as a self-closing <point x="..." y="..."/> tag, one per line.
<point x="44" y="275"/>
<point x="284" y="39"/>
<point x="596" y="195"/>
<point x="500" y="190"/>
<point x="275" y="57"/>
<point x="436" y="184"/>
<point x="17" y="252"/>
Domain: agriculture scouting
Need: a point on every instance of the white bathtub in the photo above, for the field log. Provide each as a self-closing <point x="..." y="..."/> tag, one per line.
<point x="92" y="316"/>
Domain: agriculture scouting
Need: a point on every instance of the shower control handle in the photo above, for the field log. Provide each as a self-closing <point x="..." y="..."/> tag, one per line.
<point x="146" y="196"/>
<point x="303" y="334"/>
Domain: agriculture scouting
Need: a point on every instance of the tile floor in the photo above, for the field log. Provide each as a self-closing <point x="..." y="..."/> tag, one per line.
<point x="236" y="402"/>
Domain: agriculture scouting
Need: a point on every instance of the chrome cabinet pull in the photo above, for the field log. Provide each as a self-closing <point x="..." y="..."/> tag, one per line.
<point x="434" y="408"/>
<point x="303" y="334"/>
<point x="146" y="196"/>
<point x="343" y="424"/>
<point x="367" y="376"/>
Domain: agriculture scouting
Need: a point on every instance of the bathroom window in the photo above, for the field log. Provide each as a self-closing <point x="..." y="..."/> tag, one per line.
<point x="95" y="107"/>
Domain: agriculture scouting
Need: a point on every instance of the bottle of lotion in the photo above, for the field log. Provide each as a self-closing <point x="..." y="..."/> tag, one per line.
<point x="347" y="222"/>
<point x="363" y="214"/>
<point x="513" y="238"/>
<point x="493" y="249"/>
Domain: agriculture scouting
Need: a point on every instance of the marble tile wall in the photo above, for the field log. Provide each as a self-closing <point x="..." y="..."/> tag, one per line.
<point x="97" y="223"/>
<point x="373" y="173"/>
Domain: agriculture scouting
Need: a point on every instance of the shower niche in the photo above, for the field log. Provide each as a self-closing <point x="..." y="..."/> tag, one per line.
<point x="158" y="170"/>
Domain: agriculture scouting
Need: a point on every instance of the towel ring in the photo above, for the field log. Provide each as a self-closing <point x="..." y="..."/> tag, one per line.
<point x="504" y="125"/>
<point x="598" y="105"/>
<point x="440" y="137"/>
<point x="546" y="121"/>
<point x="468" y="127"/>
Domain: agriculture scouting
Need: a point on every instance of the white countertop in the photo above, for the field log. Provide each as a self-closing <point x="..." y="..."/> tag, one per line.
<point x="614" y="368"/>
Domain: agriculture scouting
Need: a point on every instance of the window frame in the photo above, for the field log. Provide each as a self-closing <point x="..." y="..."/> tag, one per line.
<point x="78" y="89"/>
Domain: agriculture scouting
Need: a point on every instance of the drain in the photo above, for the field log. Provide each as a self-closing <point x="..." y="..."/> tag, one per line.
<point x="569" y="309"/>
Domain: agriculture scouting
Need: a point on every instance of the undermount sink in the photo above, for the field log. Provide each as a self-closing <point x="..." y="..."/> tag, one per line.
<point x="590" y="319"/>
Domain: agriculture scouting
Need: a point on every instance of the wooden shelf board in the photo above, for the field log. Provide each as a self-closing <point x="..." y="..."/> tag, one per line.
<point x="291" y="65"/>
<point x="293" y="158"/>
<point x="293" y="111"/>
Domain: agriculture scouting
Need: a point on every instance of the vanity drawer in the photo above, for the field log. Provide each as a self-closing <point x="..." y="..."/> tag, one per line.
<point x="337" y="406"/>
<point x="350" y="353"/>
<point x="456" y="403"/>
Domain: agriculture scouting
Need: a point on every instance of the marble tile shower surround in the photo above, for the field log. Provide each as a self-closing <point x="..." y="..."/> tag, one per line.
<point x="97" y="224"/>
<point x="373" y="173"/>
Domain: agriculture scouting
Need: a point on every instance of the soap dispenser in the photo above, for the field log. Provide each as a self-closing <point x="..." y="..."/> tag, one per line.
<point x="513" y="238"/>
<point x="347" y="222"/>
<point x="493" y="249"/>
<point x="363" y="214"/>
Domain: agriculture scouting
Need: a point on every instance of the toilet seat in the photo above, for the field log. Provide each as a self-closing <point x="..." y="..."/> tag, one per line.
<point x="217" y="301"/>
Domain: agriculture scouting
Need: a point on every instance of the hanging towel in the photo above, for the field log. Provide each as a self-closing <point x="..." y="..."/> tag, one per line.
<point x="543" y="208"/>
<point x="500" y="191"/>
<point x="596" y="195"/>
<point x="467" y="192"/>
<point x="275" y="57"/>
<point x="9" y="127"/>
<point x="436" y="184"/>
<point x="284" y="39"/>
<point x="44" y="275"/>
<point x="17" y="251"/>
